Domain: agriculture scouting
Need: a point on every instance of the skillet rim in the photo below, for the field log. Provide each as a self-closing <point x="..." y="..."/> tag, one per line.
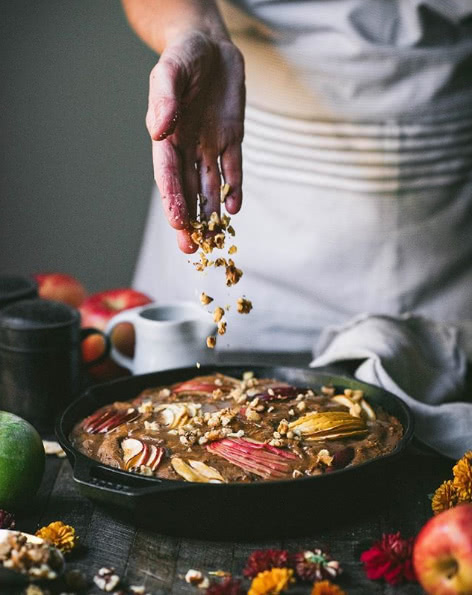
<point x="158" y="482"/>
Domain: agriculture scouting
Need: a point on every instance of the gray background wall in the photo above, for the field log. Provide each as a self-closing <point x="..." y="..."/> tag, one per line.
<point x="75" y="164"/>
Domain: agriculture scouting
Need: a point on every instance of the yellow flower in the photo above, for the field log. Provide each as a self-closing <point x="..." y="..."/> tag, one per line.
<point x="326" y="588"/>
<point x="444" y="497"/>
<point x="271" y="582"/>
<point x="59" y="535"/>
<point x="463" y="477"/>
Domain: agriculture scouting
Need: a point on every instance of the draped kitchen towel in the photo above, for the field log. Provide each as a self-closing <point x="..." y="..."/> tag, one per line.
<point x="419" y="360"/>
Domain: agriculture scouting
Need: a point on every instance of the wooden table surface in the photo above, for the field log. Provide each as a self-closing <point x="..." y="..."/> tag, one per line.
<point x="160" y="562"/>
<point x="144" y="557"/>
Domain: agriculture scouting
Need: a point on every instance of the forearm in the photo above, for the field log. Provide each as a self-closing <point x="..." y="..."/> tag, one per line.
<point x="158" y="22"/>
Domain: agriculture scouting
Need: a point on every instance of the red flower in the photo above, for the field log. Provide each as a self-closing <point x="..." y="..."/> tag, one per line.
<point x="390" y="559"/>
<point x="229" y="586"/>
<point x="261" y="560"/>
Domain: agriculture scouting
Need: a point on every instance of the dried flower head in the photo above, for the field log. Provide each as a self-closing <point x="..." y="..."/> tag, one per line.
<point x="271" y="582"/>
<point x="7" y="520"/>
<point x="315" y="565"/>
<point x="229" y="586"/>
<point x="444" y="497"/>
<point x="463" y="477"/>
<point x="261" y="560"/>
<point x="326" y="588"/>
<point x="60" y="535"/>
<point x="390" y="559"/>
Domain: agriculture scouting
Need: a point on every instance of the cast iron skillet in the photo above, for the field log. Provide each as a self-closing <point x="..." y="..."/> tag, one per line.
<point x="235" y="510"/>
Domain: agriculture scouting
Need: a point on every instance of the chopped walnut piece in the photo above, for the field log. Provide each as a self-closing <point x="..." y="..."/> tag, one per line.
<point x="244" y="306"/>
<point x="205" y="299"/>
<point x="211" y="342"/>
<point x="106" y="579"/>
<point x="283" y="427"/>
<point x="218" y="314"/>
<point x="252" y="415"/>
<point x="224" y="191"/>
<point x="220" y="262"/>
<point x="219" y="240"/>
<point x="301" y="406"/>
<point x="232" y="249"/>
<point x="221" y="328"/>
<point x="233" y="274"/>
<point x="324" y="457"/>
<point x="196" y="578"/>
<point x="329" y="391"/>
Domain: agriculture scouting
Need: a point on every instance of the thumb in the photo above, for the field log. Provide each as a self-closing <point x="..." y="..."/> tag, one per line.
<point x="166" y="84"/>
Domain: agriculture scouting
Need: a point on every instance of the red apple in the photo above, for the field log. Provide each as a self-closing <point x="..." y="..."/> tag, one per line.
<point x="96" y="311"/>
<point x="60" y="287"/>
<point x="442" y="554"/>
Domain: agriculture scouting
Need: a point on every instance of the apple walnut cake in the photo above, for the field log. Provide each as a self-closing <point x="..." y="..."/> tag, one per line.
<point x="220" y="429"/>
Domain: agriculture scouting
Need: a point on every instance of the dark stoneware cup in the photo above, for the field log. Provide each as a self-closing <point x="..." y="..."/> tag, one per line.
<point x="40" y="359"/>
<point x="14" y="288"/>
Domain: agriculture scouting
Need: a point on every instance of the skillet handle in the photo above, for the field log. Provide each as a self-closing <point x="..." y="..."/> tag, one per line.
<point x="101" y="479"/>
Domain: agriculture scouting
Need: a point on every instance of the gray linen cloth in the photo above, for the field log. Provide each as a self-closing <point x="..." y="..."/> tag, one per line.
<point x="420" y="361"/>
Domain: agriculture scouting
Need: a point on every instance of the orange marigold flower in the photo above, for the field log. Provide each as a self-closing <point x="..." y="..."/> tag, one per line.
<point x="326" y="588"/>
<point x="463" y="477"/>
<point x="271" y="582"/>
<point x="444" y="497"/>
<point x="59" y="535"/>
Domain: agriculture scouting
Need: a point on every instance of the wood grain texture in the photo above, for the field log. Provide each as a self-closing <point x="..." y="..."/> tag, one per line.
<point x="160" y="563"/>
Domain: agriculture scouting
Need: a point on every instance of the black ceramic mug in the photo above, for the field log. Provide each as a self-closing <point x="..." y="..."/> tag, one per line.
<point x="40" y="359"/>
<point x="14" y="288"/>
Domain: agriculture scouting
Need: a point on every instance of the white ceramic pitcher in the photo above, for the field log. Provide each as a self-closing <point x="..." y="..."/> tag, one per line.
<point x="169" y="335"/>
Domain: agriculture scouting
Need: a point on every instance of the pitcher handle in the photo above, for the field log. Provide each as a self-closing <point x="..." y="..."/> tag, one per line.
<point x="130" y="316"/>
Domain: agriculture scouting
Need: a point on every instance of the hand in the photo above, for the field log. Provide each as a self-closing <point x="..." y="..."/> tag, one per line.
<point x="196" y="121"/>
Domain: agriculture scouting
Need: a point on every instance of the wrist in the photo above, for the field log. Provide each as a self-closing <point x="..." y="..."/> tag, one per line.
<point x="210" y="25"/>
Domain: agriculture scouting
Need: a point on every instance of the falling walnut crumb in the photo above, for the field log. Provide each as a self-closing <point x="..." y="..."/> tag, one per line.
<point x="244" y="305"/>
<point x="233" y="274"/>
<point x="211" y="342"/>
<point x="232" y="249"/>
<point x="205" y="299"/>
<point x="221" y="328"/>
<point x="218" y="314"/>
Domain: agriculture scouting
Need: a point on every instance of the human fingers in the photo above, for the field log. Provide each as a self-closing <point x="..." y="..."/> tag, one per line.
<point x="168" y="175"/>
<point x="166" y="85"/>
<point x="210" y="183"/>
<point x="191" y="183"/>
<point x="185" y="242"/>
<point x="232" y="170"/>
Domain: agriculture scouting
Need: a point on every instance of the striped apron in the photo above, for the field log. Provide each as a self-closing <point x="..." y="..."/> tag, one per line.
<point x="357" y="174"/>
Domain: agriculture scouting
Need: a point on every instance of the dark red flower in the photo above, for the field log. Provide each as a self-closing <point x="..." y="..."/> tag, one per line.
<point x="261" y="560"/>
<point x="7" y="520"/>
<point x="390" y="559"/>
<point x="229" y="586"/>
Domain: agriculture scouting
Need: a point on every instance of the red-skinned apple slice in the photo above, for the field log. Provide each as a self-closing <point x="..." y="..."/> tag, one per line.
<point x="132" y="448"/>
<point x="108" y="419"/>
<point x="258" y="458"/>
<point x="191" y="386"/>
<point x="137" y="453"/>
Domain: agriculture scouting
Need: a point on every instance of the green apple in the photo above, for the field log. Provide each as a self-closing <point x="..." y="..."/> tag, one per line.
<point x="21" y="461"/>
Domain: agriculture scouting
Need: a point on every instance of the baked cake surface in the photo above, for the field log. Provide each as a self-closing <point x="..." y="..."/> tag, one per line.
<point x="222" y="429"/>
